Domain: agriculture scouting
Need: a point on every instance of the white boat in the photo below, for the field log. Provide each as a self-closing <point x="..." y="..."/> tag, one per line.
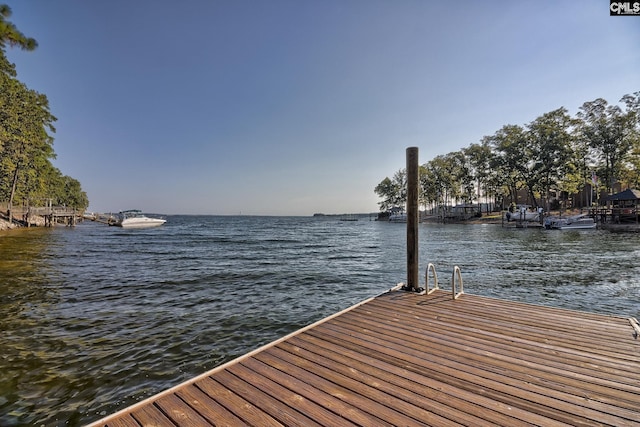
<point x="134" y="218"/>
<point x="398" y="217"/>
<point x="571" y="222"/>
<point x="524" y="213"/>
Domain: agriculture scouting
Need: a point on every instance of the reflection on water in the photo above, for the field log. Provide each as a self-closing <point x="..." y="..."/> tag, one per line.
<point x="95" y="318"/>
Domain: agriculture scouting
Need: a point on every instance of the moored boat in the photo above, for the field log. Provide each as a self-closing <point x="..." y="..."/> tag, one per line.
<point x="581" y="221"/>
<point x="522" y="213"/>
<point x="134" y="218"/>
<point x="398" y="217"/>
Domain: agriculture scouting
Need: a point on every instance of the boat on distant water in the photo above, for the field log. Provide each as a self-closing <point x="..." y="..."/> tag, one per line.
<point x="134" y="218"/>
<point x="523" y="213"/>
<point x="398" y="217"/>
<point x="581" y="221"/>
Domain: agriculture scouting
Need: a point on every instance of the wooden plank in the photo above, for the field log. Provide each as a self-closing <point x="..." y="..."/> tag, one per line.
<point x="180" y="412"/>
<point x="333" y="404"/>
<point x="341" y="394"/>
<point x="501" y="387"/>
<point x="408" y="359"/>
<point x="211" y="410"/>
<point x="150" y="415"/>
<point x="320" y="414"/>
<point x="449" y="396"/>
<point x="399" y="383"/>
<point x="275" y="408"/>
<point x="548" y="332"/>
<point x="243" y="409"/>
<point x="127" y="421"/>
<point x="434" y="371"/>
<point x="385" y="404"/>
<point x="454" y="351"/>
<point x="551" y="359"/>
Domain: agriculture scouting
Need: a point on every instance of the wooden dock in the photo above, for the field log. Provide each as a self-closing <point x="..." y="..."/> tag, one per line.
<point x="408" y="359"/>
<point x="48" y="215"/>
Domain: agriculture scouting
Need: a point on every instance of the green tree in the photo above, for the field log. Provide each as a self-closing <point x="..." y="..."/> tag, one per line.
<point x="10" y="35"/>
<point x="549" y="151"/>
<point x="62" y="190"/>
<point x="429" y="187"/>
<point x="393" y="192"/>
<point x="580" y="167"/>
<point x="72" y="194"/>
<point x="553" y="152"/>
<point x="610" y="131"/>
<point x="464" y="178"/>
<point x="509" y="160"/>
<point x="496" y="187"/>
<point x="479" y="161"/>
<point x="446" y="186"/>
<point x="25" y="145"/>
<point x="630" y="170"/>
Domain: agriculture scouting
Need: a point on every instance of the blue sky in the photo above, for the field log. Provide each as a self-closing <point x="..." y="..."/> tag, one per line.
<point x="289" y="107"/>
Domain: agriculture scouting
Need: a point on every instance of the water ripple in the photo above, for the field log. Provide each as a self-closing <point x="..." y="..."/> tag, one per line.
<point x="96" y="318"/>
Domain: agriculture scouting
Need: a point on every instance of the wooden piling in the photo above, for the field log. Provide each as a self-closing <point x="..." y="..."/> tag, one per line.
<point x="412" y="219"/>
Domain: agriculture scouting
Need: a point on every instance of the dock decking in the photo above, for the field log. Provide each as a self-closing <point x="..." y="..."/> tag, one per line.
<point x="408" y="359"/>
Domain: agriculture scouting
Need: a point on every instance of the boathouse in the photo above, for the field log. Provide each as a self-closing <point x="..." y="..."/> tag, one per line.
<point x="622" y="208"/>
<point x="629" y="199"/>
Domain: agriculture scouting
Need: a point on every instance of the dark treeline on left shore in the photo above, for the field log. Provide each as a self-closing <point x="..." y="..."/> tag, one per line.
<point x="543" y="163"/>
<point x="27" y="175"/>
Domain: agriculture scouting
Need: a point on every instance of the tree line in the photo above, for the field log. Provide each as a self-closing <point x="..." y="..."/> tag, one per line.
<point x="26" y="144"/>
<point x="554" y="154"/>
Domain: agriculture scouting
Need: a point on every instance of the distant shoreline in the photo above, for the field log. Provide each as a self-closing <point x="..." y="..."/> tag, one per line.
<point x="485" y="219"/>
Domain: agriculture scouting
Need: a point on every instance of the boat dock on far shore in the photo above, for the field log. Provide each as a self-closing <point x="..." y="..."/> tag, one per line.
<point x="103" y="218"/>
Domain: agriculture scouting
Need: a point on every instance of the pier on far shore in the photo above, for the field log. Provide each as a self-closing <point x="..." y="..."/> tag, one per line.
<point x="47" y="216"/>
<point x="103" y="218"/>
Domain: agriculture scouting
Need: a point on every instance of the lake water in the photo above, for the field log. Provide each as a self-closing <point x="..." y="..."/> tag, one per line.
<point x="96" y="318"/>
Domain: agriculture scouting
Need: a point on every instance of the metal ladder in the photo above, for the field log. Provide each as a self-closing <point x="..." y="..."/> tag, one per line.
<point x="457" y="274"/>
